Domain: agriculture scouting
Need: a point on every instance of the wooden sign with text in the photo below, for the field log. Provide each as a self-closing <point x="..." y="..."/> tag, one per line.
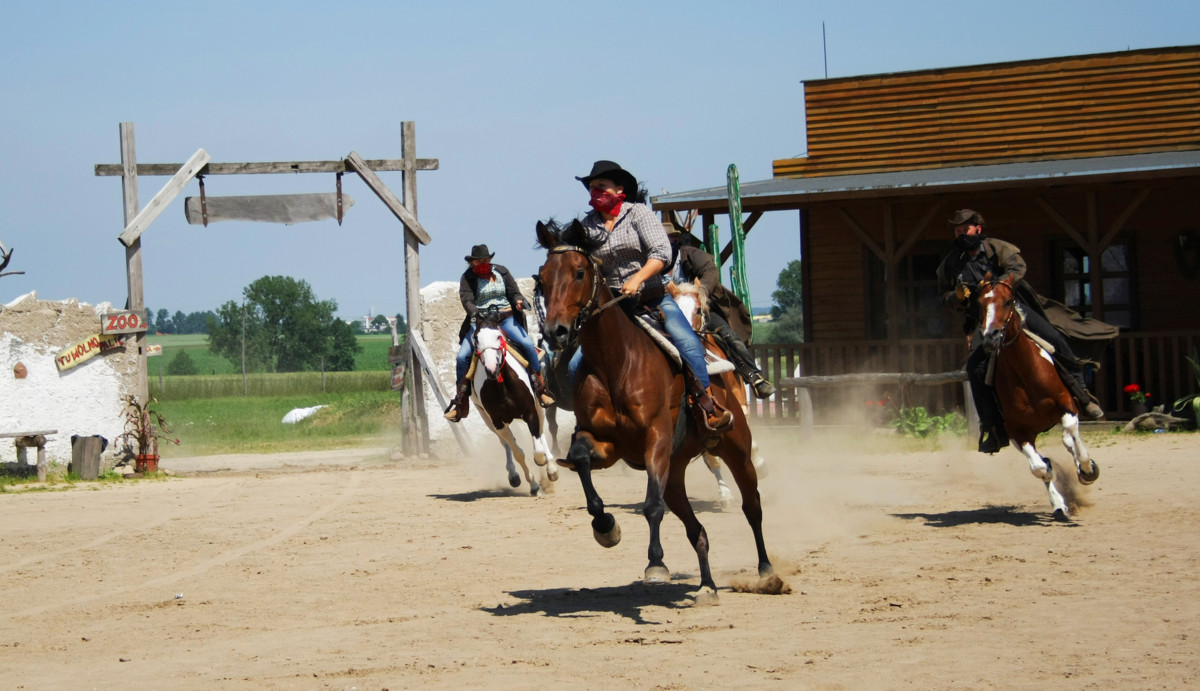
<point x="124" y="322"/>
<point x="85" y="350"/>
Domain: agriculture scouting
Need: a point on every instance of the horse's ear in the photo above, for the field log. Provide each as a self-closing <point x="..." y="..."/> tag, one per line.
<point x="545" y="235"/>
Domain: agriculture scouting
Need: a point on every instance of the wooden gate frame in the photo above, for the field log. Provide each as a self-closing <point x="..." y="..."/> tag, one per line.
<point x="138" y="220"/>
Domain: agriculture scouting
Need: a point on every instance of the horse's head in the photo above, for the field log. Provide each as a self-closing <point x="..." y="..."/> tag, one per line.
<point x="570" y="280"/>
<point x="692" y="300"/>
<point x="490" y="344"/>
<point x="997" y="308"/>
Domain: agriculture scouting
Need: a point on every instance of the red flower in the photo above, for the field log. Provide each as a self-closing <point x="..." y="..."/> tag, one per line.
<point x="1132" y="388"/>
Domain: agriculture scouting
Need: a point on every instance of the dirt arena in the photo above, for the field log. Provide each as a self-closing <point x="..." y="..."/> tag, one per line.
<point x="920" y="570"/>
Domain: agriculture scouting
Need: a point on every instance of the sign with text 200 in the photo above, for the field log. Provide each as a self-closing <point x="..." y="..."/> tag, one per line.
<point x="126" y="322"/>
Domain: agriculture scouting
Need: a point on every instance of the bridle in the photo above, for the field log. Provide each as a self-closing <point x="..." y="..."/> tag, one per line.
<point x="1007" y="320"/>
<point x="501" y="350"/>
<point x="592" y="307"/>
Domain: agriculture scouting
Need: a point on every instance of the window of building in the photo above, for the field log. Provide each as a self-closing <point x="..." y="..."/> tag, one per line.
<point x="921" y="314"/>
<point x="1073" y="282"/>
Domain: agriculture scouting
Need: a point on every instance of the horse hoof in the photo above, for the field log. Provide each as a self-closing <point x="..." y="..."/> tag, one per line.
<point x="1089" y="478"/>
<point x="1061" y="516"/>
<point x="609" y="539"/>
<point x="514" y="480"/>
<point x="552" y="473"/>
<point x="656" y="575"/>
<point x="707" y="597"/>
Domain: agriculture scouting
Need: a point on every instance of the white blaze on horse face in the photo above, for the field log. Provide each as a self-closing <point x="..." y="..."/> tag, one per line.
<point x="989" y="317"/>
<point x="489" y="342"/>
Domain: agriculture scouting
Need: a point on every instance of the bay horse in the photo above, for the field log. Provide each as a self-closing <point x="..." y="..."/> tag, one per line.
<point x="503" y="393"/>
<point x="628" y="401"/>
<point x="693" y="302"/>
<point x="1032" y="396"/>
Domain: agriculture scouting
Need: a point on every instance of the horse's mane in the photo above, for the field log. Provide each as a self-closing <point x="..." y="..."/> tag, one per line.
<point x="574" y="233"/>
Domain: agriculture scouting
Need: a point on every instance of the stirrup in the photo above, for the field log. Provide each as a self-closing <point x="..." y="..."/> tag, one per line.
<point x="762" y="387"/>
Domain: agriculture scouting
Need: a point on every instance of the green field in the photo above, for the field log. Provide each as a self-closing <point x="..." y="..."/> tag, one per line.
<point x="373" y="357"/>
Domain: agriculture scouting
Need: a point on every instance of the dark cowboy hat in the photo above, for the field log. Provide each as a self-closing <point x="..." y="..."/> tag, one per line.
<point x="479" y="252"/>
<point x="965" y="216"/>
<point x="609" y="170"/>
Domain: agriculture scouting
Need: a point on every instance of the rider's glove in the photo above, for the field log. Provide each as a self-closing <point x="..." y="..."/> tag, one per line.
<point x="962" y="292"/>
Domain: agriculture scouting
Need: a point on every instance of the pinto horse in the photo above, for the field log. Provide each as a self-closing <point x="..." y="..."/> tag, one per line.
<point x="503" y="394"/>
<point x="629" y="405"/>
<point x="1032" y="396"/>
<point x="693" y="302"/>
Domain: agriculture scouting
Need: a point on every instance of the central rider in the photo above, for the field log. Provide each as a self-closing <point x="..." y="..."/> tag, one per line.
<point x="633" y="258"/>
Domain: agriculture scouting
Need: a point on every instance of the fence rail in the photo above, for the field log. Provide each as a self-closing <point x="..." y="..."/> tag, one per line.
<point x="1156" y="361"/>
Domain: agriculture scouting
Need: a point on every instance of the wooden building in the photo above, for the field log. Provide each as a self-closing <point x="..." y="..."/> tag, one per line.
<point x="1090" y="164"/>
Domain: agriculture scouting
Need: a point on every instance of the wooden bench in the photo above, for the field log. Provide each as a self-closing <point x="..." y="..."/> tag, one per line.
<point x="903" y="379"/>
<point x="26" y="440"/>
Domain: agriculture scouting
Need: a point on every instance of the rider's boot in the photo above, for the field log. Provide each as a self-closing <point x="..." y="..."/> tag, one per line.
<point x="540" y="391"/>
<point x="744" y="363"/>
<point x="461" y="405"/>
<point x="1088" y="408"/>
<point x="717" y="419"/>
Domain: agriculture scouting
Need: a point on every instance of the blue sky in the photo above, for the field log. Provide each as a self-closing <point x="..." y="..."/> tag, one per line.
<point x="514" y="99"/>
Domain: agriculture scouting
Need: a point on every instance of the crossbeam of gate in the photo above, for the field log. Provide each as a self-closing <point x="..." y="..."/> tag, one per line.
<point x="405" y="210"/>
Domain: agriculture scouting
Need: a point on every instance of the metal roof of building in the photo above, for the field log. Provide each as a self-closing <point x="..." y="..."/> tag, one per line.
<point x="787" y="193"/>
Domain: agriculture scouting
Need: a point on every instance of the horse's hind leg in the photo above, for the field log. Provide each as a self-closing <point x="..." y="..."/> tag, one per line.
<point x="604" y="525"/>
<point x="675" y="496"/>
<point x="1043" y="470"/>
<point x="510" y="441"/>
<point x="738" y="460"/>
<point x="1087" y="470"/>
<point x="723" y="491"/>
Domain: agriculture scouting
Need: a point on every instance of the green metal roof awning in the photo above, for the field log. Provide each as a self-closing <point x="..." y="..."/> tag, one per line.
<point x="791" y="193"/>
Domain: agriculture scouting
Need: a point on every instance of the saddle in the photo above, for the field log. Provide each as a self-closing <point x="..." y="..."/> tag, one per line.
<point x="651" y="322"/>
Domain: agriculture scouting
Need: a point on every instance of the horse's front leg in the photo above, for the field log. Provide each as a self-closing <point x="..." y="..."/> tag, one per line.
<point x="657" y="461"/>
<point x="541" y="446"/>
<point x="1085" y="468"/>
<point x="510" y="440"/>
<point x="723" y="492"/>
<point x="1043" y="470"/>
<point x="579" y="457"/>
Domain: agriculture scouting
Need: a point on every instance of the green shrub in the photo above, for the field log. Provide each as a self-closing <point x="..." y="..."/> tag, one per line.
<point x="182" y="364"/>
<point x="917" y="422"/>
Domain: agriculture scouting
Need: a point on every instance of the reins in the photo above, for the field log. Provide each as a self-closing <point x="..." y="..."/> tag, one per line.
<point x="592" y="307"/>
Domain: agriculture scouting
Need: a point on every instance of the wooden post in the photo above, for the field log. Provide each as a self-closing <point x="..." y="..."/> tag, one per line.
<point x="412" y="273"/>
<point x="133" y="253"/>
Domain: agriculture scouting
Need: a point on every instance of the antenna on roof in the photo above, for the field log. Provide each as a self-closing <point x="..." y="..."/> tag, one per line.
<point x="824" y="52"/>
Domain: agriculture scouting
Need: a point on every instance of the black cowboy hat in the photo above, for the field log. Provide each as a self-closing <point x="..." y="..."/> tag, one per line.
<point x="479" y="252"/>
<point x="965" y="216"/>
<point x="609" y="170"/>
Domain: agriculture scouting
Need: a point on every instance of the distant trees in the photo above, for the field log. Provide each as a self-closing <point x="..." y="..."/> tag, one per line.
<point x="182" y="363"/>
<point x="280" y="326"/>
<point x="788" y="310"/>
<point x="194" y="323"/>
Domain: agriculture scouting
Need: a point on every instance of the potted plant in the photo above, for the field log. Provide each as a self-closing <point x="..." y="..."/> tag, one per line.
<point x="143" y="429"/>
<point x="1138" y="398"/>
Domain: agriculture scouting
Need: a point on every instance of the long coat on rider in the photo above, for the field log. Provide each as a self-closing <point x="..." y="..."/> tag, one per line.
<point x="696" y="263"/>
<point x="467" y="294"/>
<point x="1001" y="259"/>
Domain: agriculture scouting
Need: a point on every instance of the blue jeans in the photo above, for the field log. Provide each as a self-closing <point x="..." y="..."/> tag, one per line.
<point x="681" y="334"/>
<point x="516" y="336"/>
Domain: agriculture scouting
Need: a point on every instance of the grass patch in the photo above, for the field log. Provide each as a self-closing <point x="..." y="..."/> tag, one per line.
<point x="282" y="384"/>
<point x="253" y="425"/>
<point x="373" y="357"/>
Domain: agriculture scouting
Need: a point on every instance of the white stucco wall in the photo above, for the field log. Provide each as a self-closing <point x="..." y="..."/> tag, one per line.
<point x="85" y="400"/>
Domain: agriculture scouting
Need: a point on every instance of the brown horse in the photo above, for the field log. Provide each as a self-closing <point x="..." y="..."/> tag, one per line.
<point x="628" y="401"/>
<point x="1032" y="396"/>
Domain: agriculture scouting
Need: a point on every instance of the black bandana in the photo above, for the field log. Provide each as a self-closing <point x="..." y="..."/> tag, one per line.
<point x="968" y="243"/>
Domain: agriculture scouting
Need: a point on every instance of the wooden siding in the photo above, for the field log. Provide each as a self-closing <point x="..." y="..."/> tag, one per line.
<point x="1094" y="105"/>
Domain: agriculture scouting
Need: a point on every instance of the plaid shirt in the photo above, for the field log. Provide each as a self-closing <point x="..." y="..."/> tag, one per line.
<point x="636" y="237"/>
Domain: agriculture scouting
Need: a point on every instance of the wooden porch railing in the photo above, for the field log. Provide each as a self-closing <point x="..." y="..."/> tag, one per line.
<point x="1155" y="361"/>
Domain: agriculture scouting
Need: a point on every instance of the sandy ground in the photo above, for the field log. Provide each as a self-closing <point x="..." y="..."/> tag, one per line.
<point x="349" y="571"/>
